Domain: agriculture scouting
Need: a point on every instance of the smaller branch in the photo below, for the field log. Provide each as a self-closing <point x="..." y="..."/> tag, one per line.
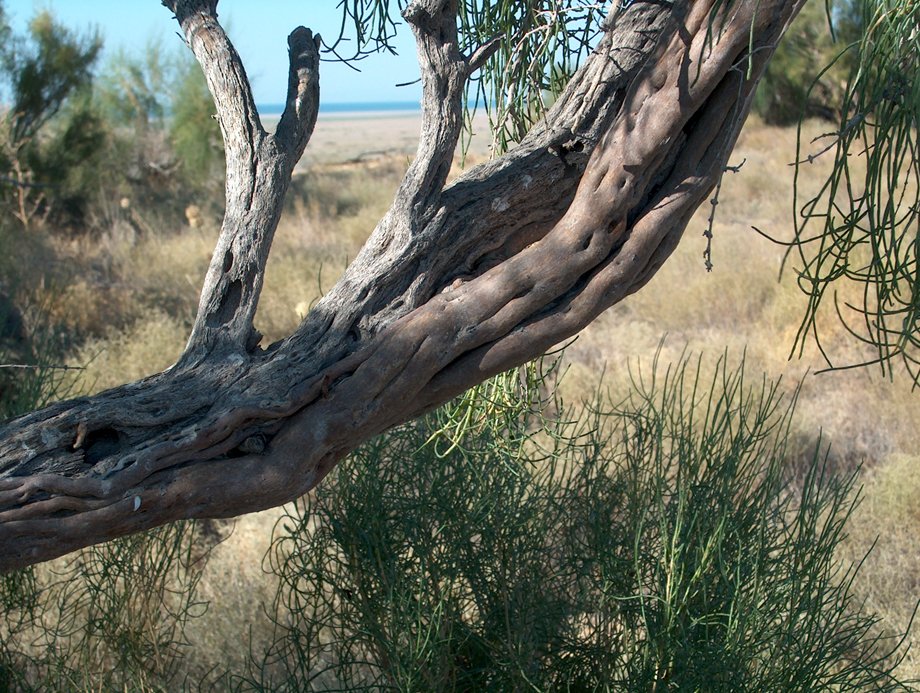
<point x="483" y="53"/>
<point x="736" y="168"/>
<point x="300" y="111"/>
<point x="24" y="366"/>
<point x="259" y="168"/>
<point x="444" y="74"/>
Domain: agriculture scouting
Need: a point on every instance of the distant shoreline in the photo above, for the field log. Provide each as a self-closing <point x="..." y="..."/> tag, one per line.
<point x="364" y="115"/>
<point x="351" y="132"/>
<point x="350" y="111"/>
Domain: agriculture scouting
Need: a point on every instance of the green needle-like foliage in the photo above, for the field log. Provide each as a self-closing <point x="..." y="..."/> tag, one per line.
<point x="111" y="618"/>
<point x="540" y="44"/>
<point x="659" y="546"/>
<point x="194" y="131"/>
<point x="857" y="238"/>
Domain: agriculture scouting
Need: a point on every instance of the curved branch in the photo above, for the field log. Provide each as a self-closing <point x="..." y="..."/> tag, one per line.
<point x="229" y="86"/>
<point x="511" y="258"/>
<point x="444" y="75"/>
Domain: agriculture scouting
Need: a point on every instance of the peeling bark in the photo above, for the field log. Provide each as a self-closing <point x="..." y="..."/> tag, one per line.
<point x="455" y="284"/>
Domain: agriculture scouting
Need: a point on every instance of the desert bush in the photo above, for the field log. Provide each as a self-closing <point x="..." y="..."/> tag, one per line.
<point x="111" y="617"/>
<point x="487" y="547"/>
<point x="72" y="163"/>
<point x="164" y="139"/>
<point x="75" y="142"/>
<point x="797" y="84"/>
<point x="39" y="75"/>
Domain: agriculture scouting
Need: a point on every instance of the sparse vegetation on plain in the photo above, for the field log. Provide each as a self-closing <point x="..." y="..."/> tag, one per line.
<point x="359" y="585"/>
<point x="867" y="426"/>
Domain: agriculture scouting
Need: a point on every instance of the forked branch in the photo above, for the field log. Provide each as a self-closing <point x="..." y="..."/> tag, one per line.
<point x="259" y="168"/>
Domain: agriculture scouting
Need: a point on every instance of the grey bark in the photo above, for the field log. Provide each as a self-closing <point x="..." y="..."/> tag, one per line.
<point x="455" y="284"/>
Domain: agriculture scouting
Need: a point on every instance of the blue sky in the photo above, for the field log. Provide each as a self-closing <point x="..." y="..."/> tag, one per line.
<point x="259" y="31"/>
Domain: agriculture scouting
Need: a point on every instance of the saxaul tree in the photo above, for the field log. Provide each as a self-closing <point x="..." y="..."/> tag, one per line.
<point x="456" y="283"/>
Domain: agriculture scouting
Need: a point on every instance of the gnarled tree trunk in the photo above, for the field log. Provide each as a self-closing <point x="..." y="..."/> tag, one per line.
<point x="457" y="282"/>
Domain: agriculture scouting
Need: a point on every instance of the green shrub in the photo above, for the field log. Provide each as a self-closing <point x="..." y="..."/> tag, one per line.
<point x="164" y="138"/>
<point x="71" y="162"/>
<point x="133" y="90"/>
<point x="41" y="74"/>
<point x="111" y="617"/>
<point x="79" y="151"/>
<point x="659" y="546"/>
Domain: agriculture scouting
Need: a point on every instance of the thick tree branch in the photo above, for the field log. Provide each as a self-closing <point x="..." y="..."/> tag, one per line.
<point x="490" y="213"/>
<point x="480" y="276"/>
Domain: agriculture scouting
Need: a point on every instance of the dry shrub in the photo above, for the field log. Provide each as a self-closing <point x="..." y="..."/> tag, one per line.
<point x="86" y="309"/>
<point x="331" y="212"/>
<point x="293" y="283"/>
<point x="887" y="521"/>
<point x="150" y="345"/>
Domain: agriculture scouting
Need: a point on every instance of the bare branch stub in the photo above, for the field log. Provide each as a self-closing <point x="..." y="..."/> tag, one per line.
<point x="302" y="104"/>
<point x="482" y="54"/>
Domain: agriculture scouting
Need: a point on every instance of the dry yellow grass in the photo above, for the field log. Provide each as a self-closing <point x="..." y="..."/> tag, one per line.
<point x="149" y="345"/>
<point x="739" y="307"/>
<point x="887" y="521"/>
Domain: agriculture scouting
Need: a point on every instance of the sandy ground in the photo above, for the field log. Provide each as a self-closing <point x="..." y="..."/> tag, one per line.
<point x="341" y="138"/>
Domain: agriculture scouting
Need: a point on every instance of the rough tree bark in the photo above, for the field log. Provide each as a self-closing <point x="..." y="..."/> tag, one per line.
<point x="457" y="282"/>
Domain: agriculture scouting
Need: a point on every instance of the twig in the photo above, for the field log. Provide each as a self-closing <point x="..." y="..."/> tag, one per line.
<point x="23" y="184"/>
<point x="57" y="368"/>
